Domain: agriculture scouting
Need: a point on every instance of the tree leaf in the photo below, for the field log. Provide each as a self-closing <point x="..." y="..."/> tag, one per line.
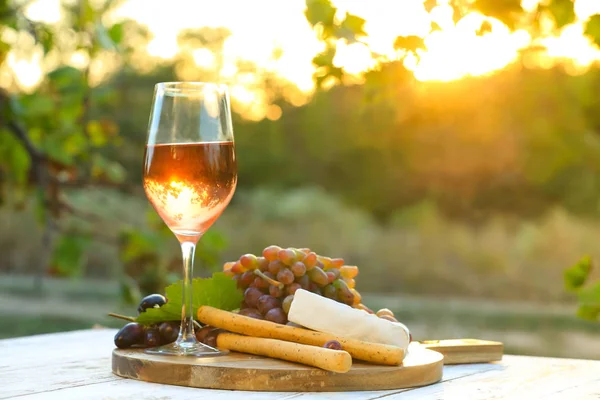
<point x="96" y="133"/>
<point x="320" y="11"/>
<point x="409" y="43"/>
<point x="68" y="258"/>
<point x="576" y="275"/>
<point x="36" y="105"/>
<point x="325" y="59"/>
<point x="103" y="38"/>
<point x="136" y="244"/>
<point x="46" y="38"/>
<point x="429" y="5"/>
<point x="435" y="26"/>
<point x="219" y="291"/>
<point x="592" y="28"/>
<point x="14" y="158"/>
<point x="563" y="12"/>
<point x="351" y="27"/>
<point x="590" y="313"/>
<point x="590" y="296"/>
<point x="116" y="33"/>
<point x="485" y="27"/>
<point x="66" y="78"/>
<point x="507" y="11"/>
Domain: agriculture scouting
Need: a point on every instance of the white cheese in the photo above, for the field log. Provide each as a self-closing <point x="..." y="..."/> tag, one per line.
<point x="325" y="315"/>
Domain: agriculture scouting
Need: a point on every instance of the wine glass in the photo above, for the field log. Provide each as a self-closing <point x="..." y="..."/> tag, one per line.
<point x="190" y="175"/>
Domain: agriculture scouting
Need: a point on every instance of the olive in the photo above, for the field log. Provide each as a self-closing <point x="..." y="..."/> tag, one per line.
<point x="130" y="334"/>
<point x="202" y="332"/>
<point x="211" y="337"/>
<point x="169" y="331"/>
<point x="152" y="338"/>
<point x="333" y="345"/>
<point x="152" y="301"/>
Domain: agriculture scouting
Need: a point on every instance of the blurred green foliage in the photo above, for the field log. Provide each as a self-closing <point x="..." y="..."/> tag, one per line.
<point x="518" y="143"/>
<point x="576" y="278"/>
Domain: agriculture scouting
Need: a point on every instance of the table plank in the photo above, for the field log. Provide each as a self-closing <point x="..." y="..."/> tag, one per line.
<point x="517" y="378"/>
<point x="77" y="365"/>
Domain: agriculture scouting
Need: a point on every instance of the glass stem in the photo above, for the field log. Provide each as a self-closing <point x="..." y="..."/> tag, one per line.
<point x="186" y="332"/>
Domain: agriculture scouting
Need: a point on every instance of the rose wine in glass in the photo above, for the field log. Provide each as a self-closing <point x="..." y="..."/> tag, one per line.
<point x="190" y="175"/>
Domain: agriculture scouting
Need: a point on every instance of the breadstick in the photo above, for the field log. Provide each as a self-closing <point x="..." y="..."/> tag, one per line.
<point x="320" y="357"/>
<point x="366" y="351"/>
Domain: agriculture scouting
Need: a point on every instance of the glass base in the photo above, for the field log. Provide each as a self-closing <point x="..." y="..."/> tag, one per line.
<point x="196" y="349"/>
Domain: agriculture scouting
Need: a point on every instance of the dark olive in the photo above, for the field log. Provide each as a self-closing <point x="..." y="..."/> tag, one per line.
<point x="152" y="301"/>
<point x="169" y="331"/>
<point x="152" y="338"/>
<point x="211" y="337"/>
<point x="202" y="332"/>
<point x="130" y="334"/>
<point x="333" y="345"/>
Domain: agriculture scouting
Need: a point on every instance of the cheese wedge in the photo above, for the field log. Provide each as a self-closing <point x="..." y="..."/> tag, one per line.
<point x="325" y="315"/>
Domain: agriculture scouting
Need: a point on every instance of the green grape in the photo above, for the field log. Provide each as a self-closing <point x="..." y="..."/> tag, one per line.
<point x="349" y="271"/>
<point x="275" y="266"/>
<point x="326" y="261"/>
<point x="285" y="276"/>
<point x="287" y="303"/>
<point x="330" y="292"/>
<point x="310" y="261"/>
<point x="305" y="250"/>
<point x="300" y="255"/>
<point x="249" y="261"/>
<point x="350" y="282"/>
<point x="318" y="276"/>
<point x="298" y="268"/>
<point x="304" y="281"/>
<point x="270" y="253"/>
<point x="275" y="291"/>
<point x="344" y="294"/>
<point x="332" y="274"/>
<point x="337" y="262"/>
<point x="287" y="256"/>
<point x="292" y="287"/>
<point x="263" y="263"/>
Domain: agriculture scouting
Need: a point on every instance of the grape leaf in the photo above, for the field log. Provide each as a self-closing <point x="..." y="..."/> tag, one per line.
<point x="576" y="276"/>
<point x="220" y="291"/>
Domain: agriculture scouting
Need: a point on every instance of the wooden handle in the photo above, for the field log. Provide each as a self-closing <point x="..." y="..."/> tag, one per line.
<point x="466" y="351"/>
<point x="371" y="352"/>
<point x="320" y="357"/>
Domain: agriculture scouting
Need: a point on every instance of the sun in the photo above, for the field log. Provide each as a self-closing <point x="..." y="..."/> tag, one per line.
<point x="454" y="51"/>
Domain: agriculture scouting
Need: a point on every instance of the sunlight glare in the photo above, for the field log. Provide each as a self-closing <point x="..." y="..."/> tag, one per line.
<point x="272" y="37"/>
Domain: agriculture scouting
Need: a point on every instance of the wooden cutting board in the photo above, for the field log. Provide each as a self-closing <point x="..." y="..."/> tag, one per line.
<point x="422" y="366"/>
<point x="237" y="371"/>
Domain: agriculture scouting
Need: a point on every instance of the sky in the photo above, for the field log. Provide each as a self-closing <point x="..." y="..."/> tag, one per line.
<point x="260" y="27"/>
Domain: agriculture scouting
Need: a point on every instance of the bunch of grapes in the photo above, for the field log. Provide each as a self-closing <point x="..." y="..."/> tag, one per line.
<point x="270" y="281"/>
<point x="135" y="334"/>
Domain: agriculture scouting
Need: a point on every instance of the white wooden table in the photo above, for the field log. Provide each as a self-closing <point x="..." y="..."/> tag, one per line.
<point x="77" y="365"/>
